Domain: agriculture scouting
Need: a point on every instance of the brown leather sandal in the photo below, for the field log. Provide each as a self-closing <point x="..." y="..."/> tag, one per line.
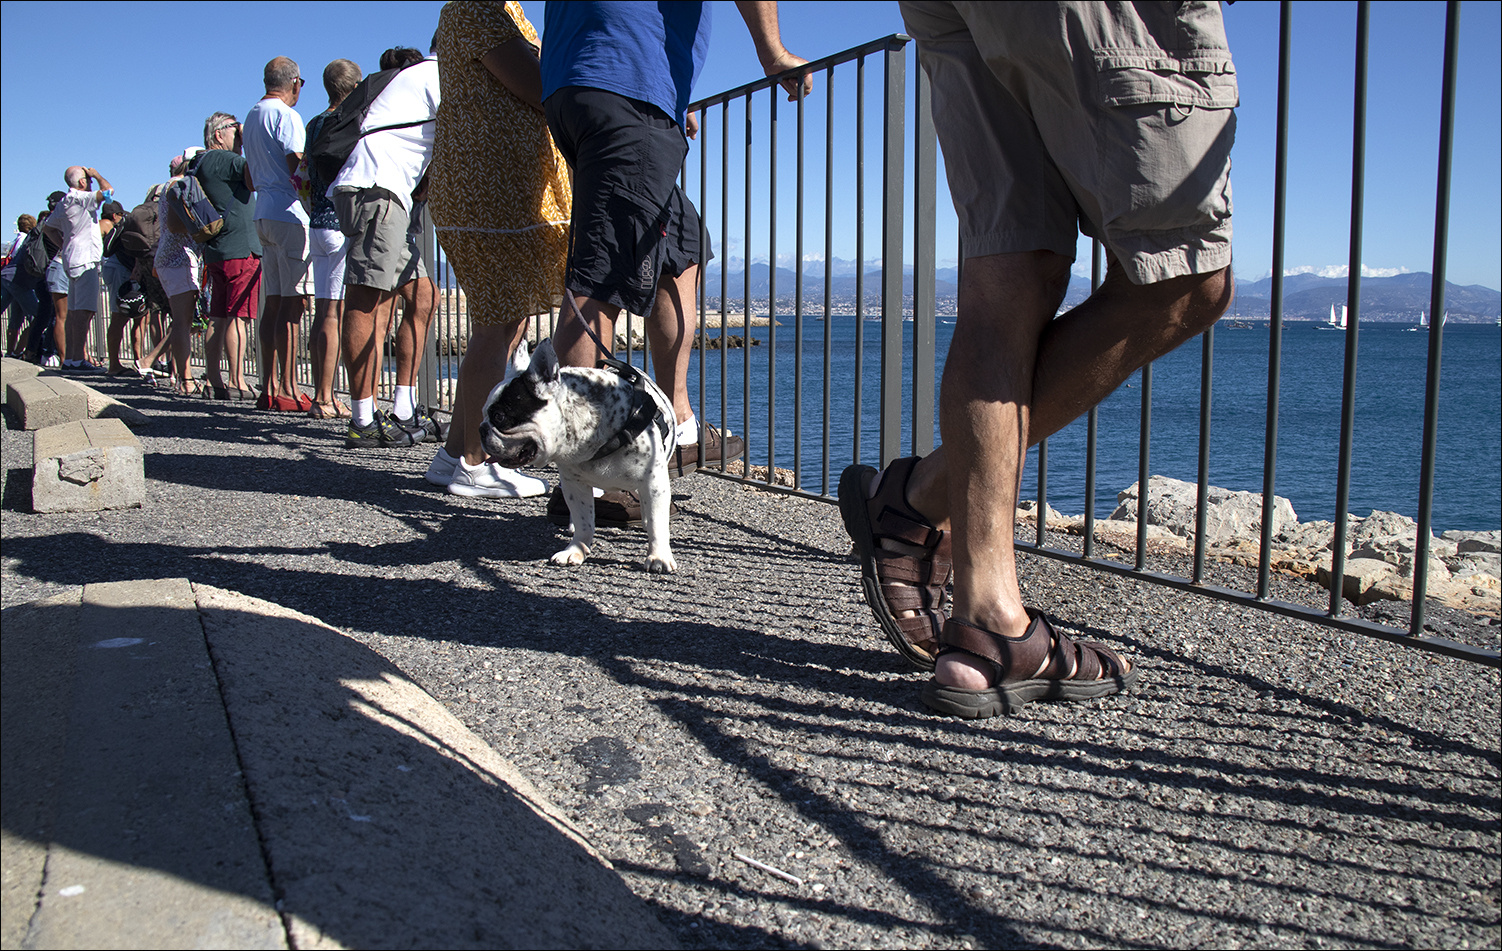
<point x="905" y="591"/>
<point x="1042" y="664"/>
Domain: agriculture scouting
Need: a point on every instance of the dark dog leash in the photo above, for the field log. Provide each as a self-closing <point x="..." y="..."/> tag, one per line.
<point x="645" y="411"/>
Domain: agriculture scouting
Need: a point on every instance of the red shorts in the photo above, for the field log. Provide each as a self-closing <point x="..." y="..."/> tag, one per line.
<point x="235" y="288"/>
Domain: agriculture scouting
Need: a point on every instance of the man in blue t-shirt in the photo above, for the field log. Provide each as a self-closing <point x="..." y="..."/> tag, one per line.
<point x="616" y="81"/>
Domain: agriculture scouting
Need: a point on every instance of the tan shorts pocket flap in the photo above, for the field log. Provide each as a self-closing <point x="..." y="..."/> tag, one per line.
<point x="1131" y="77"/>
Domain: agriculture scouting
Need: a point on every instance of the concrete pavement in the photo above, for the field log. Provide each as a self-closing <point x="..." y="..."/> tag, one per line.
<point x="184" y="766"/>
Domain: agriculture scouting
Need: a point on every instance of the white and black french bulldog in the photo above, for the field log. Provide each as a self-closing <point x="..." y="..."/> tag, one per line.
<point x="611" y="428"/>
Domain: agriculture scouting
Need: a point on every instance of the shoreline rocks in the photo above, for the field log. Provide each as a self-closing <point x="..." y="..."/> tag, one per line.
<point x="1465" y="567"/>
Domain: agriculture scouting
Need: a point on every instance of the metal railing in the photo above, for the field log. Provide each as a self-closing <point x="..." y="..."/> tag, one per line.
<point x="910" y="383"/>
<point x="745" y="132"/>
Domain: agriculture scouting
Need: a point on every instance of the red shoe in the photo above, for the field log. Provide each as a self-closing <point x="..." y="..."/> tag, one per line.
<point x="286" y="404"/>
<point x="304" y="402"/>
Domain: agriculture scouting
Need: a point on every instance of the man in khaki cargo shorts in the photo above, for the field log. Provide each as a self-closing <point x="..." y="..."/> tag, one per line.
<point x="1114" y="120"/>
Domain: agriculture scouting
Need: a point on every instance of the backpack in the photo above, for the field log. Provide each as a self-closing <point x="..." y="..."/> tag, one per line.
<point x="35" y="253"/>
<point x="189" y="210"/>
<point x="341" y="131"/>
<point x="139" y="231"/>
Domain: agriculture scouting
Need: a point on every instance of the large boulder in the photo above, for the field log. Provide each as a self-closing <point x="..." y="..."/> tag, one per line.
<point x="1229" y="515"/>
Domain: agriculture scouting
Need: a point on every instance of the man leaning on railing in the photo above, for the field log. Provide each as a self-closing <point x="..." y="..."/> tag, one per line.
<point x="1051" y="116"/>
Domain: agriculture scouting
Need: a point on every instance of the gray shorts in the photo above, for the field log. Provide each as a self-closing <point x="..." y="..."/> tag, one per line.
<point x="1063" y="117"/>
<point x="378" y="252"/>
<point x="84" y="291"/>
<point x="284" y="256"/>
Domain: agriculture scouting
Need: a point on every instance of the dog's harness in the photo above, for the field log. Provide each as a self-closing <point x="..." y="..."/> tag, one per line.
<point x="645" y="411"/>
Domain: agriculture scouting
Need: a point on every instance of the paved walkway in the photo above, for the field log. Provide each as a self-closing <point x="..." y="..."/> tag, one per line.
<point x="372" y="715"/>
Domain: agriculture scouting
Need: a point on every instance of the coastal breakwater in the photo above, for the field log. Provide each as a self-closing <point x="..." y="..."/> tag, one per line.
<point x="1465" y="567"/>
<point x="451" y="329"/>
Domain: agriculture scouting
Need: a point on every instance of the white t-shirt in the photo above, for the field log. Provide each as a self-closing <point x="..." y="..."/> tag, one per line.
<point x="274" y="130"/>
<point x="397" y="158"/>
<point x="77" y="217"/>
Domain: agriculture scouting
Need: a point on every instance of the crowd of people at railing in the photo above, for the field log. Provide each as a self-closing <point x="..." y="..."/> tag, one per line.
<point x="556" y="167"/>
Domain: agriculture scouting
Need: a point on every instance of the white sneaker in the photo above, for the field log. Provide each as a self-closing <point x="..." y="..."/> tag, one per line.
<point x="441" y="472"/>
<point x="52" y="362"/>
<point x="493" y="481"/>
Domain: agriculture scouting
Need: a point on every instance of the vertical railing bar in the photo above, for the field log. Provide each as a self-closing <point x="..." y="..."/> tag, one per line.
<point x="798" y="312"/>
<point x="427" y="349"/>
<point x="1041" y="516"/>
<point x="828" y="257"/>
<point x="860" y="251"/>
<point x="1144" y="448"/>
<point x="724" y="265"/>
<point x="1202" y="490"/>
<point x="1353" y="314"/>
<point x="701" y="291"/>
<point x="925" y="271"/>
<point x="1436" y="318"/>
<point x="892" y="330"/>
<point x="746" y="308"/>
<point x="771" y="287"/>
<point x="1092" y="423"/>
<point x="1275" y="331"/>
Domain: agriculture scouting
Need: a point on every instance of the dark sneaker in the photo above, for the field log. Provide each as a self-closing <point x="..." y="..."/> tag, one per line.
<point x="422" y="426"/>
<point x="718" y="447"/>
<point x="614" y="509"/>
<point x="382" y="432"/>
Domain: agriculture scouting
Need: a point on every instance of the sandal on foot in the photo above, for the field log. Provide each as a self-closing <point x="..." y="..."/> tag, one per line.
<point x="905" y="591"/>
<point x="1042" y="664"/>
<point x="333" y="409"/>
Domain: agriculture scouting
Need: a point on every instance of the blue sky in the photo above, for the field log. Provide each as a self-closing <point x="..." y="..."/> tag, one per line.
<point x="117" y="100"/>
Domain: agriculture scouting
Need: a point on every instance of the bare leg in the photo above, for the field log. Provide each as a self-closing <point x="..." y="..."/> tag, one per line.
<point x="80" y="322"/>
<point x="235" y="339"/>
<point x="484" y="366"/>
<point x="267" y="333"/>
<point x="60" y="326"/>
<point x="1014" y="376"/>
<point x="367" y="312"/>
<point x="213" y="350"/>
<point x="184" y="306"/>
<point x="287" y="340"/>
<point x="138" y="338"/>
<point x="670" y="331"/>
<point x="573" y="345"/>
<point x="323" y="343"/>
<point x="114" y="336"/>
<point x="1086" y="353"/>
<point x="419" y="301"/>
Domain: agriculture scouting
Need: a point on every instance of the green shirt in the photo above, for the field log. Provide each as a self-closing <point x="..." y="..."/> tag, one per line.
<point x="222" y="175"/>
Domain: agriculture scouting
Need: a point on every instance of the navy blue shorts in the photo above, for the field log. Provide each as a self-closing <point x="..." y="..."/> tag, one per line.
<point x="632" y="222"/>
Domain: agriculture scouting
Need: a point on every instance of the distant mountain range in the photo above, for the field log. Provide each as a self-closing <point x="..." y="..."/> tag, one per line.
<point x="1305" y="296"/>
<point x="1398" y="298"/>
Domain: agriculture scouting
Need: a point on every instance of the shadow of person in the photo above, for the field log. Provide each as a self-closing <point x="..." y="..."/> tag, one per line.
<point x="224" y="769"/>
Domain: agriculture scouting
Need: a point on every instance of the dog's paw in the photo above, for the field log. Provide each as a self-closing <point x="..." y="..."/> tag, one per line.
<point x="572" y="555"/>
<point x="661" y="564"/>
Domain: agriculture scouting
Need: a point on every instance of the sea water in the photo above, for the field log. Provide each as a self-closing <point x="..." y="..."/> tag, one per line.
<point x="1387" y="437"/>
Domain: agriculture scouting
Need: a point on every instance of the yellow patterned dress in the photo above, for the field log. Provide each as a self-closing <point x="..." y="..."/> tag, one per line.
<point x="499" y="191"/>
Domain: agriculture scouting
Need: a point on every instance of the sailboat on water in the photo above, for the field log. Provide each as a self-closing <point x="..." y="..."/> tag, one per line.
<point x="1337" y="321"/>
<point x="1423" y="323"/>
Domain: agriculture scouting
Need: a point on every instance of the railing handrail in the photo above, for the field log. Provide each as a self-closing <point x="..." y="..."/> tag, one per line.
<point x="891" y="42"/>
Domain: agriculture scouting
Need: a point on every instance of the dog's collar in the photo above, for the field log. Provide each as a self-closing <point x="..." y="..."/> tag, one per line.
<point x="645" y="411"/>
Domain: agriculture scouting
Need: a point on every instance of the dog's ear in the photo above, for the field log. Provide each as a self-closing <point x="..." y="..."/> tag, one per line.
<point x="520" y="360"/>
<point x="544" y="362"/>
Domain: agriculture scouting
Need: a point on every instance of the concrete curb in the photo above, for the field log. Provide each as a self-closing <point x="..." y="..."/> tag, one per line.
<point x="186" y="766"/>
<point x="40" y="397"/>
